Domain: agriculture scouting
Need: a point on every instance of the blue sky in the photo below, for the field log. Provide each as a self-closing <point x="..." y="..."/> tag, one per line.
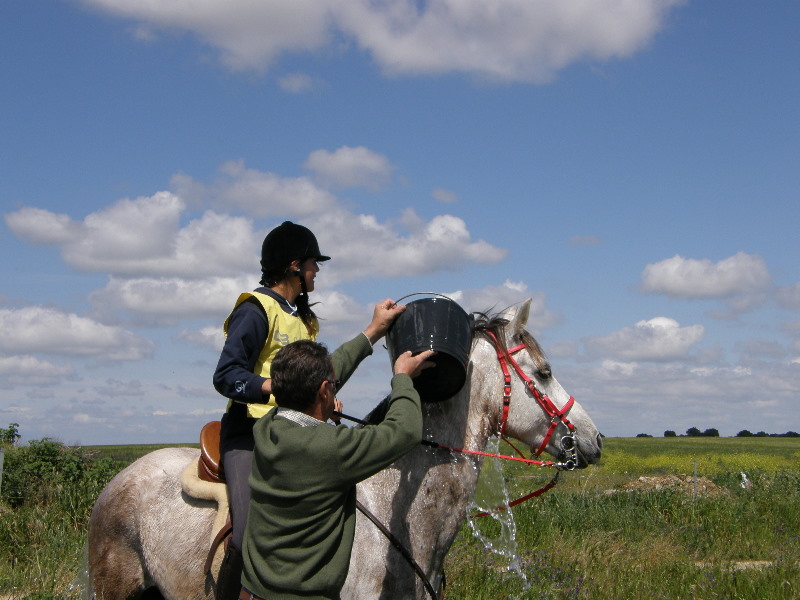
<point x="630" y="166"/>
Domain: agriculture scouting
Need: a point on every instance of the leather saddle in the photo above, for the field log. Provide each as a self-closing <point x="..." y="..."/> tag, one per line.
<point x="209" y="467"/>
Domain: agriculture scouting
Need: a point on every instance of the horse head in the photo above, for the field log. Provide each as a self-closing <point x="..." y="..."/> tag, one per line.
<point x="539" y="411"/>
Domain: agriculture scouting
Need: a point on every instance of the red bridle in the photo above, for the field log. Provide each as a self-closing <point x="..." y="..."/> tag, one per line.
<point x="556" y="415"/>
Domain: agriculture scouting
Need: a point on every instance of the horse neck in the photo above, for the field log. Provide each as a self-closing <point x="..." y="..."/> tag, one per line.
<point x="427" y="492"/>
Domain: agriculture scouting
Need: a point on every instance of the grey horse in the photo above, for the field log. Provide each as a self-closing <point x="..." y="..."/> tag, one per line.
<point x="149" y="539"/>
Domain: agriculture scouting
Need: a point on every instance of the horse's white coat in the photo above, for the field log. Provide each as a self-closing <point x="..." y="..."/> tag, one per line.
<point x="145" y="532"/>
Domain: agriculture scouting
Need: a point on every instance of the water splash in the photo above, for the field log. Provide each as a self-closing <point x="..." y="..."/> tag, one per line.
<point x="79" y="588"/>
<point x="490" y="494"/>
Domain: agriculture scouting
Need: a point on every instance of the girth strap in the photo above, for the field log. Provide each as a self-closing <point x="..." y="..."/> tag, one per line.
<point x="221" y="537"/>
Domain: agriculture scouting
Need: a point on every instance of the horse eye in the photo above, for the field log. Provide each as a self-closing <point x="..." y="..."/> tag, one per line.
<point x="544" y="372"/>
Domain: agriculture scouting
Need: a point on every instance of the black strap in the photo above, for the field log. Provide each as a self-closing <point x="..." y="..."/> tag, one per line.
<point x="399" y="547"/>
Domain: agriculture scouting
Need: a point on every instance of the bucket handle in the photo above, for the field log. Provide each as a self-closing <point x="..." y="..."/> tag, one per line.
<point x="396" y="302"/>
<point x="428" y="293"/>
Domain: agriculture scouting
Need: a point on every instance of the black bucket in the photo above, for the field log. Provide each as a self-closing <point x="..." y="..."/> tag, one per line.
<point x="434" y="324"/>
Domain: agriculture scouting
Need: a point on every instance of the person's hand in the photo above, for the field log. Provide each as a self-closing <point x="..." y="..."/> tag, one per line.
<point x="413" y="365"/>
<point x="337" y="410"/>
<point x="382" y="317"/>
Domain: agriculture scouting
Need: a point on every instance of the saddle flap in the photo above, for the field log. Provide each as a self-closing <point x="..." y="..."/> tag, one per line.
<point x="210" y="466"/>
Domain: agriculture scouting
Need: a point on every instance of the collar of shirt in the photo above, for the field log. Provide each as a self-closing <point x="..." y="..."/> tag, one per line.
<point x="298" y="417"/>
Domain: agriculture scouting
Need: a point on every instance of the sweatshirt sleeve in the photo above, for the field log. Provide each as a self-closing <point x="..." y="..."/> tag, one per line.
<point x="364" y="451"/>
<point x="247" y="332"/>
<point x="348" y="356"/>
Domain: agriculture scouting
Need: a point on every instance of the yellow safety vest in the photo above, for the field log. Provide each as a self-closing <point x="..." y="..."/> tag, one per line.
<point x="283" y="329"/>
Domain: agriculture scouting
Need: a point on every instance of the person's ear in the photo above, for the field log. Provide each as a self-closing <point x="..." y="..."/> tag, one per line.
<point x="295" y="267"/>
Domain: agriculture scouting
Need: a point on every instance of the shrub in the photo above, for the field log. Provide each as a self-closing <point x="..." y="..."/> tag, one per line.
<point x="45" y="468"/>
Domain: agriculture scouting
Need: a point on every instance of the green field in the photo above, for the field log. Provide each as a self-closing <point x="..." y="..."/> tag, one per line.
<point x="714" y="536"/>
<point x="639" y="525"/>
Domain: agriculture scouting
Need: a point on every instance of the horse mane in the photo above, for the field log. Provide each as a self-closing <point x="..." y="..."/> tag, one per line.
<point x="486" y="325"/>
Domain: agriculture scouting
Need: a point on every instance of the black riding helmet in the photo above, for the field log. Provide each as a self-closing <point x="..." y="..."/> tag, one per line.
<point x="287" y="242"/>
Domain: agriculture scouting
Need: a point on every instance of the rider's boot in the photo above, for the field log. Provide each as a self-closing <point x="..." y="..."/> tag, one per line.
<point x="229" y="580"/>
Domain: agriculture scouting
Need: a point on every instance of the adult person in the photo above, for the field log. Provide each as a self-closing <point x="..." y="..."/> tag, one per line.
<point x="261" y="323"/>
<point x="301" y="524"/>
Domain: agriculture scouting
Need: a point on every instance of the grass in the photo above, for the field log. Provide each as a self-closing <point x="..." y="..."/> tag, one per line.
<point x="577" y="541"/>
<point x="130" y="452"/>
<point x="581" y="541"/>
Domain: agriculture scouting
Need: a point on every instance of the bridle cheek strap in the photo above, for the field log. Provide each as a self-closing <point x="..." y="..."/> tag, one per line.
<point x="556" y="415"/>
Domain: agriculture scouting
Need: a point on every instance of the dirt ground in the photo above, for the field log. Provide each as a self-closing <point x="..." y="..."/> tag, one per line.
<point x="686" y="484"/>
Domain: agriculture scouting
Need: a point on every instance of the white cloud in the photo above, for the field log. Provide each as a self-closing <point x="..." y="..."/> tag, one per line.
<point x="341" y="316"/>
<point x="512" y="40"/>
<point x="658" y="339"/>
<point x="266" y="194"/>
<point x="164" y="266"/>
<point x="28" y="370"/>
<point x="680" y="277"/>
<point x="789" y="296"/>
<point x="144" y="237"/>
<point x="42" y="330"/>
<point x="368" y="248"/>
<point x="87" y="419"/>
<point x="629" y="397"/>
<point x="197" y="270"/>
<point x="585" y="240"/>
<point x="249" y="34"/>
<point x="296" y="83"/>
<point x="142" y="229"/>
<point x="208" y="337"/>
<point x="40" y="226"/>
<point x="350" y="167"/>
<point x="259" y="193"/>
<point x="115" y="388"/>
<point x="496" y="298"/>
<point x="445" y="196"/>
<point x="760" y="348"/>
<point x="168" y="300"/>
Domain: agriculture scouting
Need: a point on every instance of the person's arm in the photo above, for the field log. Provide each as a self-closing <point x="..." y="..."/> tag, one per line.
<point x="349" y="355"/>
<point x="383" y="316"/>
<point x="247" y="332"/>
<point x="365" y="451"/>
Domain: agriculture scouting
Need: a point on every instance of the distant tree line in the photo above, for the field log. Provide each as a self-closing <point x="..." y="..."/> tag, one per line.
<point x="712" y="432"/>
<point x="745" y="433"/>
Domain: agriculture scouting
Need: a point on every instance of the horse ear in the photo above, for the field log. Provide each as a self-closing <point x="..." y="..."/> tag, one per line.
<point x="518" y="316"/>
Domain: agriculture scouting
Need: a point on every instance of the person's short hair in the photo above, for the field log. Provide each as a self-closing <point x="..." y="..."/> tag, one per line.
<point x="297" y="371"/>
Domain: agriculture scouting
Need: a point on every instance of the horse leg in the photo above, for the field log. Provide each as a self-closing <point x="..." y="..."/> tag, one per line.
<point x="115" y="573"/>
<point x="115" y="566"/>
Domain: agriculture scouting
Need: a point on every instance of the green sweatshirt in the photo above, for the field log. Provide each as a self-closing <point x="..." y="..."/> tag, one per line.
<point x="302" y="516"/>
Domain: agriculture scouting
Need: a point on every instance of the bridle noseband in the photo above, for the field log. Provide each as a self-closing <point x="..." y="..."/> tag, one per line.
<point x="569" y="448"/>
